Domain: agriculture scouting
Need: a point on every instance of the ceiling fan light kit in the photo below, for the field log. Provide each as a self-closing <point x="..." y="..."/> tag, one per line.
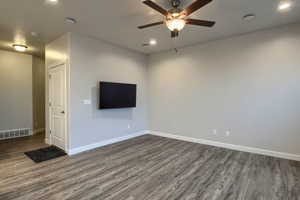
<point x="176" y="19"/>
<point x="175" y="24"/>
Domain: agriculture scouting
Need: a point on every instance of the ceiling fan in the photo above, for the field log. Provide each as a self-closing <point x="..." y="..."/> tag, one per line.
<point x="177" y="18"/>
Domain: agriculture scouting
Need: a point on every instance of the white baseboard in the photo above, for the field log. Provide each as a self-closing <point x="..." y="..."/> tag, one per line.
<point x="104" y="143"/>
<point x="47" y="141"/>
<point x="230" y="146"/>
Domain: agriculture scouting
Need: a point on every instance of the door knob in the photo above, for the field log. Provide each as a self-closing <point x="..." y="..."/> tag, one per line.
<point x="62" y="112"/>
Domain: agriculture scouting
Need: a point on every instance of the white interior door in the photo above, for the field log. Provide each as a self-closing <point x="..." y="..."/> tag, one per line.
<point x="57" y="96"/>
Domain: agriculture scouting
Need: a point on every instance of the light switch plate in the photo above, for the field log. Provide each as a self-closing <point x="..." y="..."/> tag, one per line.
<point x="87" y="101"/>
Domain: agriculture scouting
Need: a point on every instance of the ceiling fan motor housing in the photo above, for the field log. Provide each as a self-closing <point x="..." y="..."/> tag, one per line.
<point x="175" y="3"/>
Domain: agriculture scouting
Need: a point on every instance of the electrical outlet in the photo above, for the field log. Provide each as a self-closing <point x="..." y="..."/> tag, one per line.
<point x="214" y="131"/>
<point x="128" y="126"/>
<point x="227" y="133"/>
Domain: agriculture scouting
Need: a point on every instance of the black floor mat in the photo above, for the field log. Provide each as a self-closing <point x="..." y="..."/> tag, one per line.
<point x="45" y="154"/>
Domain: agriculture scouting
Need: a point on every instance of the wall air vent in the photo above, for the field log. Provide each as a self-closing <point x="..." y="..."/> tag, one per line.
<point x="15" y="133"/>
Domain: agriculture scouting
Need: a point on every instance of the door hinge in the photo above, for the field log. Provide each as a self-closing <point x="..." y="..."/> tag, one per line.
<point x="50" y="104"/>
<point x="50" y="132"/>
<point x="49" y="76"/>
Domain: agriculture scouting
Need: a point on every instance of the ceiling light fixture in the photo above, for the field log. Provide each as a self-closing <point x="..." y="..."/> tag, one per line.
<point x="249" y="17"/>
<point x="34" y="34"/>
<point x="152" y="42"/>
<point x="71" y="20"/>
<point x="53" y="2"/>
<point x="20" y="47"/>
<point x="284" y="5"/>
<point x="175" y="23"/>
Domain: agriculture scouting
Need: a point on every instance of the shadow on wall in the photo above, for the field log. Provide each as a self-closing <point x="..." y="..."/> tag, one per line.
<point x="121" y="113"/>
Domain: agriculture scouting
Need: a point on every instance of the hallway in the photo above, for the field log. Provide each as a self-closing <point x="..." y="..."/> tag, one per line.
<point x="12" y="150"/>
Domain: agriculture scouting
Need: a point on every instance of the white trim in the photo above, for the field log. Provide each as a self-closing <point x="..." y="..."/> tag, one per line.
<point x="104" y="143"/>
<point x="48" y="141"/>
<point x="57" y="64"/>
<point x="230" y="146"/>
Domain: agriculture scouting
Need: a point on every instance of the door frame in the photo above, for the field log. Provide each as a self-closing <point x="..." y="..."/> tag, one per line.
<point x="66" y="99"/>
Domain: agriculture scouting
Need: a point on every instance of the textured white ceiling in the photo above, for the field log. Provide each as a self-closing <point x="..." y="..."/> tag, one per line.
<point x="116" y="21"/>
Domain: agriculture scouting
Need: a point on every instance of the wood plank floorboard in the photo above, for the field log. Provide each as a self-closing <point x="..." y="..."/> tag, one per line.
<point x="149" y="168"/>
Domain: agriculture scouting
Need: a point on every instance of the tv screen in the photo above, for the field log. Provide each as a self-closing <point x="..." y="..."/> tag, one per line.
<point x="117" y="95"/>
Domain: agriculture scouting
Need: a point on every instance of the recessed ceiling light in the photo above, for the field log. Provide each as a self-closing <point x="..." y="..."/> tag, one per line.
<point x="249" y="17"/>
<point x="152" y="42"/>
<point x="284" y="5"/>
<point x="52" y="1"/>
<point x="20" y="47"/>
<point x="71" y="20"/>
<point x="34" y="34"/>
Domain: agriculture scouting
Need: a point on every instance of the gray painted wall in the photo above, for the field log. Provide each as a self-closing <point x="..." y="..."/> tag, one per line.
<point x="92" y="61"/>
<point x="15" y="90"/>
<point x="248" y="85"/>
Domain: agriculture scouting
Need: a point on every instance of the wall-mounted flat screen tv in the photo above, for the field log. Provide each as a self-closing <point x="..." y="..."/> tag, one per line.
<point x="117" y="95"/>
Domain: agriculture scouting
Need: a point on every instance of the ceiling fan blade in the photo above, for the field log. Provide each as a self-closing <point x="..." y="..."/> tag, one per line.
<point x="174" y="34"/>
<point x="195" y="6"/>
<point x="199" y="22"/>
<point x="156" y="7"/>
<point x="149" y="25"/>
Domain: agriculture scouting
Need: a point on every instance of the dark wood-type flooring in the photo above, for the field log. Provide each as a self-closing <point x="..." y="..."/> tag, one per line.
<point x="148" y="167"/>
